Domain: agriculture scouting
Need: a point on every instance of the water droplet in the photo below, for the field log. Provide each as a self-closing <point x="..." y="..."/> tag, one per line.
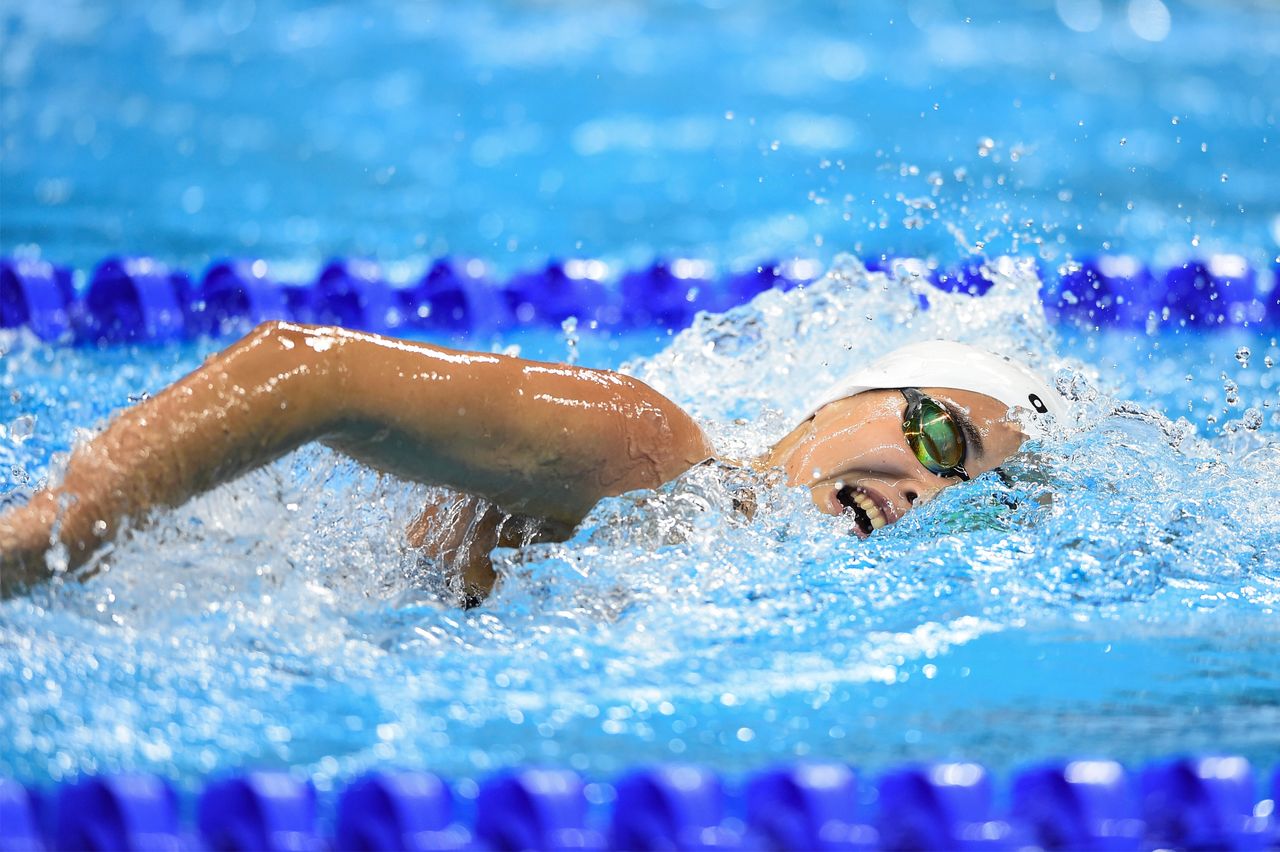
<point x="1251" y="420"/>
<point x="1224" y="177"/>
<point x="570" y="329"/>
<point x="1175" y="120"/>
<point x="1268" y="362"/>
<point x="985" y="146"/>
<point x="728" y="115"/>
<point x="22" y="427"/>
<point x="1242" y="355"/>
<point x="1124" y="140"/>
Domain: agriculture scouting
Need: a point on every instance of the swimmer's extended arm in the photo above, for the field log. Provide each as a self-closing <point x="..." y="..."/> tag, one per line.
<point x="540" y="440"/>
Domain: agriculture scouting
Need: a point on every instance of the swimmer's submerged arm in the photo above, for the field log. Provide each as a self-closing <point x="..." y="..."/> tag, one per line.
<point x="541" y="440"/>
<point x="458" y="533"/>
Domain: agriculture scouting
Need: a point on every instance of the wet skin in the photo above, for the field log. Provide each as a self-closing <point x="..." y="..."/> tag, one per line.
<point x="540" y="441"/>
<point x="856" y="446"/>
<point x="537" y="443"/>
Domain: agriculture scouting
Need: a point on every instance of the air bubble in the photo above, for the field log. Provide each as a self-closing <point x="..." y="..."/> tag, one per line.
<point x="571" y="337"/>
<point x="22" y="427"/>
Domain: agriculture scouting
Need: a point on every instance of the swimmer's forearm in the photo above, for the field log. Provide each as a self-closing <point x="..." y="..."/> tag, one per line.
<point x="243" y="408"/>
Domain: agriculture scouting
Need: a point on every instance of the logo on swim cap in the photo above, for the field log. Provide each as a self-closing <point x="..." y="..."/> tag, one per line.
<point x="1037" y="403"/>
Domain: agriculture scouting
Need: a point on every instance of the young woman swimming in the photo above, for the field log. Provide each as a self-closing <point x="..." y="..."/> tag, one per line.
<point x="534" y="442"/>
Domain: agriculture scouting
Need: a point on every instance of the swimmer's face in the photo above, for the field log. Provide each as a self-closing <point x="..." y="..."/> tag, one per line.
<point x="854" y="457"/>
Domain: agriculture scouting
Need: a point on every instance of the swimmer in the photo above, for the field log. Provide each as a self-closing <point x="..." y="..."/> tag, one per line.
<point x="534" y="445"/>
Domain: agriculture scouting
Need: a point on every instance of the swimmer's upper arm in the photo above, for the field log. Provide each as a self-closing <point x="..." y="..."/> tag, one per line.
<point x="540" y="440"/>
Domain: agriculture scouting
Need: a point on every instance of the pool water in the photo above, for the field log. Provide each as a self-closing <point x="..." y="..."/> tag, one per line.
<point x="731" y="132"/>
<point x="1120" y="599"/>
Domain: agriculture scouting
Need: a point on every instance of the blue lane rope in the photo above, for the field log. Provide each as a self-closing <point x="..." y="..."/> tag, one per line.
<point x="1180" y="803"/>
<point x="142" y="299"/>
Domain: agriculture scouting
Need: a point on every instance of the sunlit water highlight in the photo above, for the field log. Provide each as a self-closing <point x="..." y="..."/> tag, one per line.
<point x="1119" y="599"/>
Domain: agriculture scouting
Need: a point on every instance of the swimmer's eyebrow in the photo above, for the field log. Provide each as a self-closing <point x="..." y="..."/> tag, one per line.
<point x="971" y="436"/>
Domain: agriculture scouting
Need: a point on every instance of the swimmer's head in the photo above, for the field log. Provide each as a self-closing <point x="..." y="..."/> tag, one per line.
<point x="898" y="431"/>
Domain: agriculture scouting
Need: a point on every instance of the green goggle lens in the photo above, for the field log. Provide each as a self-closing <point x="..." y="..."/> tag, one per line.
<point x="933" y="436"/>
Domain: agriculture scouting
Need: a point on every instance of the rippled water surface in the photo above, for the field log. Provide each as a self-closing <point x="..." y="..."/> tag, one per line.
<point x="1119" y="599"/>
<point x="734" y="131"/>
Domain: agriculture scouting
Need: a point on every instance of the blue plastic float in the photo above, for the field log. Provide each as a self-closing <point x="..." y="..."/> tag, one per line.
<point x="354" y="294"/>
<point x="1204" y="803"/>
<point x="141" y="299"/>
<point x="135" y="298"/>
<point x="38" y="295"/>
<point x="808" y="806"/>
<point x="941" y="806"/>
<point x="534" y="809"/>
<point x="671" y="807"/>
<point x="456" y="296"/>
<point x="268" y="811"/>
<point x="1207" y="802"/>
<point x="234" y="295"/>
<point x="562" y="290"/>
<point x="19" y="818"/>
<point x="1078" y="804"/>
<point x="135" y="811"/>
<point x="398" y="810"/>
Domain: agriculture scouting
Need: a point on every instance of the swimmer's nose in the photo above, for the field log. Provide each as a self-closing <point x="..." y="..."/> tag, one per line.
<point x="912" y="491"/>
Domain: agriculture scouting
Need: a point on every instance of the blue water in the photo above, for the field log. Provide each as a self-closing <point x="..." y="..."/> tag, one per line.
<point x="1124" y="604"/>
<point x="514" y="131"/>
<point x="1120" y="600"/>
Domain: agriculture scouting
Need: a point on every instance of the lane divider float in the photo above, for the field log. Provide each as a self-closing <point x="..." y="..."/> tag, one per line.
<point x="1208" y="802"/>
<point x="143" y="299"/>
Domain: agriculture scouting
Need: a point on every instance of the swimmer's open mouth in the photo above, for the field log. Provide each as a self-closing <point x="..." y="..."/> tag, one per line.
<point x="867" y="517"/>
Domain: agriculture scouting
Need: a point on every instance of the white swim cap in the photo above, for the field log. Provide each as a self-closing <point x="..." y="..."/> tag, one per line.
<point x="946" y="364"/>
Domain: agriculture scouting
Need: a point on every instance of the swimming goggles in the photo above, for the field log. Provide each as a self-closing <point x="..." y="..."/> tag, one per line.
<point x="934" y="435"/>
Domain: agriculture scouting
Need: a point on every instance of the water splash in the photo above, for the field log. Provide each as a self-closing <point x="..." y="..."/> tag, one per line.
<point x="1128" y="573"/>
